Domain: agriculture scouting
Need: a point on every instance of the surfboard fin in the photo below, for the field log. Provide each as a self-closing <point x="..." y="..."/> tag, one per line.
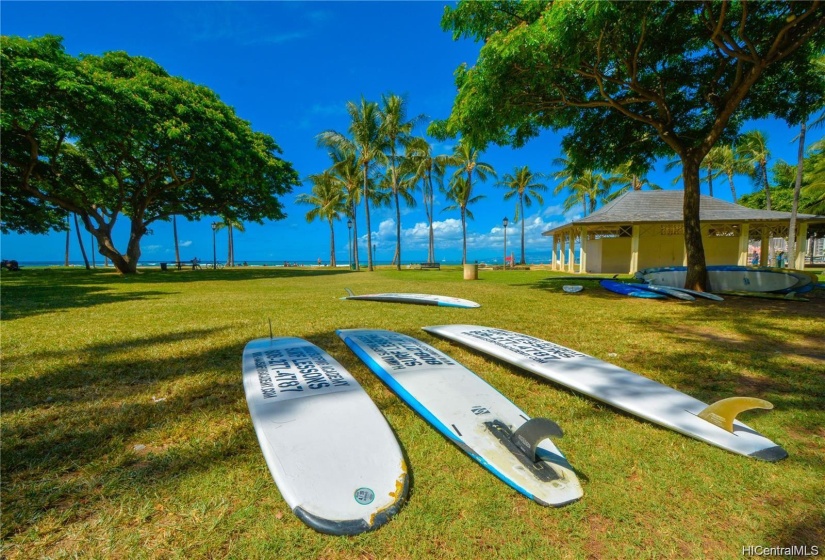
<point x="532" y="432"/>
<point x="349" y="292"/>
<point x="722" y="413"/>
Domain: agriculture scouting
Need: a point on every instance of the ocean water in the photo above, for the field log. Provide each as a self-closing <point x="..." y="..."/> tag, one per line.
<point x="274" y="263"/>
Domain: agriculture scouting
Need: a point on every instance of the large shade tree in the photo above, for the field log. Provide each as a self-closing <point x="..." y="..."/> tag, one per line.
<point x="116" y="135"/>
<point x="629" y="80"/>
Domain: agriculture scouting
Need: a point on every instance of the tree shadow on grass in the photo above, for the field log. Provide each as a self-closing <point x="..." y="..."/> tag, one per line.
<point x="22" y="300"/>
<point x="34" y="291"/>
<point x="114" y="426"/>
<point x="71" y="430"/>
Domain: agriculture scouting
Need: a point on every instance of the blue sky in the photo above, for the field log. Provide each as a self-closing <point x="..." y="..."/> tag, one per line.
<point x="289" y="68"/>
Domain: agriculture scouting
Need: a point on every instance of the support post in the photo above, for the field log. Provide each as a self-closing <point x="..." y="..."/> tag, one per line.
<point x="744" y="237"/>
<point x="634" y="251"/>
<point x="798" y="261"/>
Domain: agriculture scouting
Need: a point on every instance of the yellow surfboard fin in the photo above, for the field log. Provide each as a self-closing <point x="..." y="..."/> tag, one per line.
<point x="723" y="413"/>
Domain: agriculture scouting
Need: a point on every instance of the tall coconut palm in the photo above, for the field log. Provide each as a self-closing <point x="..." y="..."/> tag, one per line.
<point x="460" y="193"/>
<point x="585" y="187"/>
<point x="346" y="174"/>
<point x="231" y="225"/>
<point x="710" y="164"/>
<point x="425" y="166"/>
<point x="465" y="159"/>
<point x="388" y="195"/>
<point x="522" y="184"/>
<point x="328" y="202"/>
<point x="397" y="131"/>
<point x="814" y="188"/>
<point x="627" y="178"/>
<point x="729" y="164"/>
<point x="752" y="147"/>
<point x="365" y="130"/>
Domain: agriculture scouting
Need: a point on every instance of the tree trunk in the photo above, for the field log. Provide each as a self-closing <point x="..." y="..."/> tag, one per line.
<point x="230" y="247"/>
<point x="766" y="185"/>
<point x="354" y="247"/>
<point x="331" y="244"/>
<point x="80" y="242"/>
<point x="797" y="186"/>
<point x="367" y="212"/>
<point x="463" y="236"/>
<point x="428" y="207"/>
<point x="710" y="180"/>
<point x="732" y="187"/>
<point x="397" y="231"/>
<point x="175" y="235"/>
<point x="521" y="210"/>
<point x="696" y="278"/>
<point x="68" y="238"/>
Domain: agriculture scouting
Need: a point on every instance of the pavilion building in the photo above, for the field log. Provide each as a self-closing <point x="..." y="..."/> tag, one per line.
<point x="643" y="229"/>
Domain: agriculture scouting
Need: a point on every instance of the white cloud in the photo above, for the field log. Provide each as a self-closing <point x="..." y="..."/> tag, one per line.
<point x="448" y="235"/>
<point x="186" y="243"/>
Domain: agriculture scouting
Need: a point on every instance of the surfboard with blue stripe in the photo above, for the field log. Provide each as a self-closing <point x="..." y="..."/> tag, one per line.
<point x="417" y="299"/>
<point x="472" y="414"/>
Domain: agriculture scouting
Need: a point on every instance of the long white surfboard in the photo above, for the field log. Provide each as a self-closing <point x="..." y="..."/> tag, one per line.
<point x="418" y="299"/>
<point x="332" y="454"/>
<point x="628" y="391"/>
<point x="725" y="278"/>
<point x="470" y="413"/>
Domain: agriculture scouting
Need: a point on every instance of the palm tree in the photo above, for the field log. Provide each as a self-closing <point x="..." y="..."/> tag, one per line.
<point x="814" y="188"/>
<point x="586" y="187"/>
<point x="460" y="193"/>
<point x="346" y="174"/>
<point x="365" y="129"/>
<point x="710" y="164"/>
<point x="728" y="163"/>
<point x="424" y="165"/>
<point x="396" y="130"/>
<point x="231" y="225"/>
<point x="328" y="202"/>
<point x="752" y="147"/>
<point x="522" y="184"/>
<point x="628" y="179"/>
<point x="465" y="159"/>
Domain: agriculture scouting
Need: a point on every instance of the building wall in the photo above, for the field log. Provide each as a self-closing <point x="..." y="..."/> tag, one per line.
<point x="721" y="250"/>
<point x="594" y="255"/>
<point x="661" y="245"/>
<point x="611" y="254"/>
<point x="615" y="255"/>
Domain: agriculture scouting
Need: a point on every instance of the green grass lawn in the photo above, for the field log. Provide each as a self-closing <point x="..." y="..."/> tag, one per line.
<point x="125" y="432"/>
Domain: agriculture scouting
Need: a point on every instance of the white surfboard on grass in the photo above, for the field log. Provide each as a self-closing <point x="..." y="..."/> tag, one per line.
<point x="470" y="413"/>
<point x="714" y="424"/>
<point x="329" y="449"/>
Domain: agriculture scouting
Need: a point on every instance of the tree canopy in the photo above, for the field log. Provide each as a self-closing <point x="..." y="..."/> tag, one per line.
<point x="115" y="134"/>
<point x="631" y="81"/>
